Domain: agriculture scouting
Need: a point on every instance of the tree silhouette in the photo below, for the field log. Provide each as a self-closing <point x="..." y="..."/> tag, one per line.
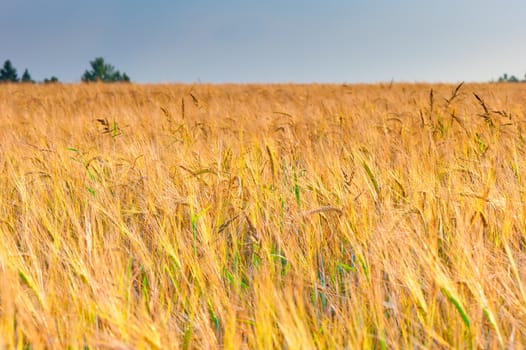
<point x="26" y="77"/>
<point x="51" y="80"/>
<point x="505" y="78"/>
<point x="101" y="71"/>
<point x="8" y="73"/>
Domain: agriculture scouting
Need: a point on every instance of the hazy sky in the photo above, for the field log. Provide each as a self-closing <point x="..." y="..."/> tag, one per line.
<point x="268" y="40"/>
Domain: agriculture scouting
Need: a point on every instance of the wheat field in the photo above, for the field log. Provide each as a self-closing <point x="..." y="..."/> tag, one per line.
<point x="387" y="216"/>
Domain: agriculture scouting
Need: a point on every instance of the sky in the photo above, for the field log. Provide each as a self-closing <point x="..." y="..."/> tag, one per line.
<point x="265" y="41"/>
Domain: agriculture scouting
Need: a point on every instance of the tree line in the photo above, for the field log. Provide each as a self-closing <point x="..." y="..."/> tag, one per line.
<point x="505" y="78"/>
<point x="105" y="72"/>
<point x="100" y="71"/>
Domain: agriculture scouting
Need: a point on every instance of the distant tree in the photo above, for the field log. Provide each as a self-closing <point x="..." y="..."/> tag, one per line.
<point x="505" y="78"/>
<point x="8" y="73"/>
<point x="26" y="77"/>
<point x="51" y="80"/>
<point x="101" y="71"/>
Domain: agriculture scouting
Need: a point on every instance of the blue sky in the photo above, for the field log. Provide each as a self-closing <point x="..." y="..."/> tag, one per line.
<point x="268" y="40"/>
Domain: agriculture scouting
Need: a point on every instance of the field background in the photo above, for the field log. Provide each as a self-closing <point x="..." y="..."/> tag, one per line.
<point x="262" y="216"/>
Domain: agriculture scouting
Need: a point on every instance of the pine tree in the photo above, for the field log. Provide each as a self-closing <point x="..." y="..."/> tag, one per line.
<point x="26" y="77"/>
<point x="101" y="71"/>
<point x="8" y="73"/>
